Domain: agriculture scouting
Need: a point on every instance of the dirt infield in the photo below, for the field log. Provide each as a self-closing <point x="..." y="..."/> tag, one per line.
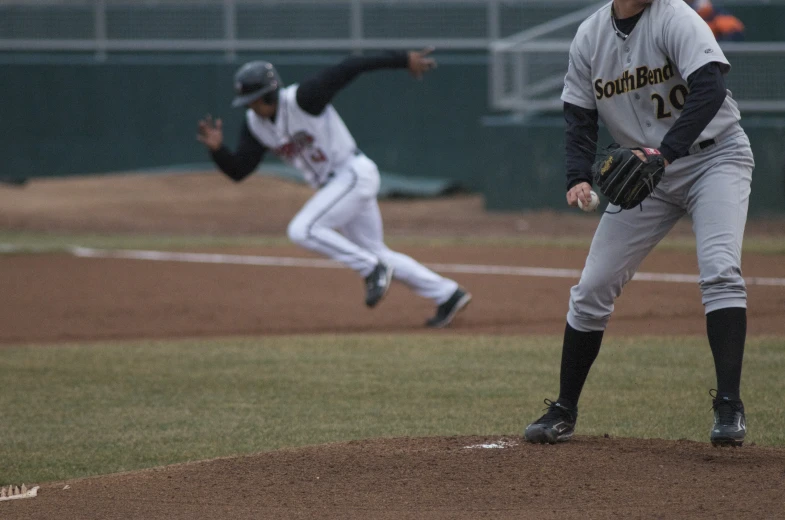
<point x="53" y="298"/>
<point x="64" y="298"/>
<point x="60" y="297"/>
<point x="437" y="478"/>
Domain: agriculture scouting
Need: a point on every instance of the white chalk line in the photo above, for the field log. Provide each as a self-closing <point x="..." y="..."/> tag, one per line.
<point x="282" y="261"/>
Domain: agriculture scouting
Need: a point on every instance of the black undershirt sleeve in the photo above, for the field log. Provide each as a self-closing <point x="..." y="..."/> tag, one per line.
<point x="314" y="94"/>
<point x="580" y="142"/>
<point x="705" y="98"/>
<point x="242" y="163"/>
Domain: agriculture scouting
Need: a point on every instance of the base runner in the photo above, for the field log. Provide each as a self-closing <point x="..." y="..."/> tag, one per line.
<point x="342" y="221"/>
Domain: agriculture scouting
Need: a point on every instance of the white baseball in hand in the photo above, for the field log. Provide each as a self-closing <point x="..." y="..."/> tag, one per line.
<point x="593" y="203"/>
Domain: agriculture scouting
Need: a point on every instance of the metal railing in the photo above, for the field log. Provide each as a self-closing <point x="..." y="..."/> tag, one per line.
<point x="527" y="40"/>
<point x="526" y="70"/>
<point x="231" y="26"/>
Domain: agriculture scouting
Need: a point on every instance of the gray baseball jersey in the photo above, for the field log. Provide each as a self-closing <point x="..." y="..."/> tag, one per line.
<point x="638" y="85"/>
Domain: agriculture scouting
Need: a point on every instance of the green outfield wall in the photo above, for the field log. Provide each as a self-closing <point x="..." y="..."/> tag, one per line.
<point x="538" y="180"/>
<point x="68" y="115"/>
<point x="78" y="117"/>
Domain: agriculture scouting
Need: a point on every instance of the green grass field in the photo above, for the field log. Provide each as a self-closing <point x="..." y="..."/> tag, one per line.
<point x="77" y="410"/>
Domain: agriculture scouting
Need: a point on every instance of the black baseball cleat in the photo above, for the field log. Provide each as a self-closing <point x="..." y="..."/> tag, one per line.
<point x="730" y="424"/>
<point x="557" y="425"/>
<point x="447" y="310"/>
<point x="377" y="283"/>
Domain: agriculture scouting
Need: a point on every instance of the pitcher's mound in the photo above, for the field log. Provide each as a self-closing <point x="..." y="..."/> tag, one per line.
<point x="438" y="478"/>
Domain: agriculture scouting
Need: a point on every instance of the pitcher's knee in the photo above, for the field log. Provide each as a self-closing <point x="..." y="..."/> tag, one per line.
<point x="720" y="292"/>
<point x="589" y="310"/>
<point x="298" y="231"/>
<point x="585" y="319"/>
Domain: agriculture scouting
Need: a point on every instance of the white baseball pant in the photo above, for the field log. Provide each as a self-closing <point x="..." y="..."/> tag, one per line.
<point x="342" y="221"/>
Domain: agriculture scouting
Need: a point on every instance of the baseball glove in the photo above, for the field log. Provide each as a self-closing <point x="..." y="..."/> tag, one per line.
<point x="625" y="179"/>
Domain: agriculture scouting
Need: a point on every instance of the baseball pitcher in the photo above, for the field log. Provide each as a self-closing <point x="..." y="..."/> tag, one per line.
<point x="652" y="71"/>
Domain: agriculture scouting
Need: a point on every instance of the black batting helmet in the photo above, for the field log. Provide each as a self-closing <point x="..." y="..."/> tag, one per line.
<point x="254" y="80"/>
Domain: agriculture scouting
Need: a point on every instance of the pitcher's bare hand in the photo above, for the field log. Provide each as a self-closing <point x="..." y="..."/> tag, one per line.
<point x="579" y="191"/>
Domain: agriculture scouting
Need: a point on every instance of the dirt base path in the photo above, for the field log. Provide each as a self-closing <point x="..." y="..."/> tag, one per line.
<point x="53" y="298"/>
<point x="437" y="478"/>
<point x="63" y="298"/>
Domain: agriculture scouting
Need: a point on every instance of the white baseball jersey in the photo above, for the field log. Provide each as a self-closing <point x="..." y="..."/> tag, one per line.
<point x="638" y="85"/>
<point x="315" y="145"/>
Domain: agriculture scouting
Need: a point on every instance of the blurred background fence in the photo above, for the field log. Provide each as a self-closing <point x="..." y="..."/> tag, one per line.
<point x="95" y="86"/>
<point x="527" y="68"/>
<point x="263" y="25"/>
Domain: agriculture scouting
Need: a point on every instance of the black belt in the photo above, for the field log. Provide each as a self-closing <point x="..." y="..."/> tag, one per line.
<point x="699" y="147"/>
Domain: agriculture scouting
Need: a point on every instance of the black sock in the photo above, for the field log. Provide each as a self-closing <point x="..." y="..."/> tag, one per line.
<point x="727" y="330"/>
<point x="579" y="351"/>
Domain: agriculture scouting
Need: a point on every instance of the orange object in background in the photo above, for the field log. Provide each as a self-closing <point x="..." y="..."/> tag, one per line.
<point x="724" y="25"/>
